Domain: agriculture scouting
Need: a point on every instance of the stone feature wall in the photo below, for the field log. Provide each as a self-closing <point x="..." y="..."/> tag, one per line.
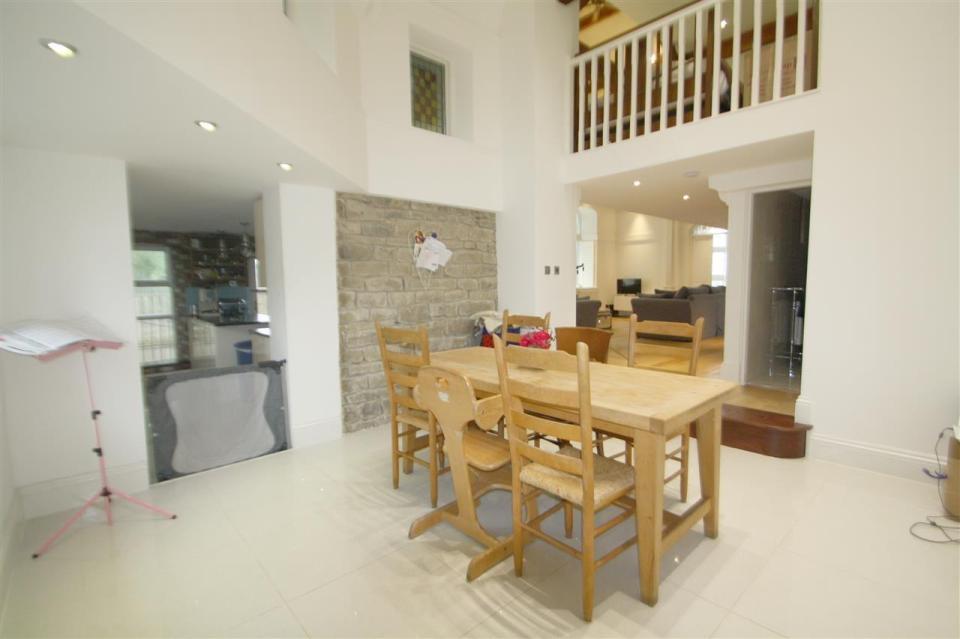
<point x="378" y="281"/>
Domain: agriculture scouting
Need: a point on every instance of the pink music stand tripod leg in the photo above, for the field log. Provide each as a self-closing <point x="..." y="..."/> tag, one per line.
<point x="66" y="526"/>
<point x="106" y="492"/>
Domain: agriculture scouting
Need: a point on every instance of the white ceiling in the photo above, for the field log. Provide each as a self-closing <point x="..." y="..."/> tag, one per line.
<point x="662" y="187"/>
<point x="117" y="99"/>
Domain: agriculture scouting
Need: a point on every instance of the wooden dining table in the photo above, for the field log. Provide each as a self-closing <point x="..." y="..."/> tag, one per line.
<point x="649" y="407"/>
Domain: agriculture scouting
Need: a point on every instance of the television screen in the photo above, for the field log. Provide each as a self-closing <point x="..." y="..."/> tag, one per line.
<point x="628" y="286"/>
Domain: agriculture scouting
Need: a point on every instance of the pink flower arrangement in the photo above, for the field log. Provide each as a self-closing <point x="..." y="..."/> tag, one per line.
<point x="537" y="339"/>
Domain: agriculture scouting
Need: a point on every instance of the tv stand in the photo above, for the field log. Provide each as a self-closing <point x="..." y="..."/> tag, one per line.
<point x="622" y="304"/>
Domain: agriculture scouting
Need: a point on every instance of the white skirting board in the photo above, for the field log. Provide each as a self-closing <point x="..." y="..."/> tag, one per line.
<point x="10" y="531"/>
<point x="316" y="432"/>
<point x="908" y="464"/>
<point x="881" y="459"/>
<point x="69" y="493"/>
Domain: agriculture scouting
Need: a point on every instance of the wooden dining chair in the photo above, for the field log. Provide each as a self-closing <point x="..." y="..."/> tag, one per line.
<point x="585" y="481"/>
<point x="478" y="459"/>
<point x="401" y="365"/>
<point x="686" y="337"/>
<point x="519" y="322"/>
<point x="596" y="339"/>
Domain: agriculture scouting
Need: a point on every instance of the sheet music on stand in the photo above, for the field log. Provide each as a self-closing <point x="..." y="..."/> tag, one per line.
<point x="50" y="339"/>
<point x="45" y="339"/>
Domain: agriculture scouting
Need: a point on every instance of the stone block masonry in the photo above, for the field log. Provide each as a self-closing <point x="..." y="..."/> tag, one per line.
<point x="378" y="281"/>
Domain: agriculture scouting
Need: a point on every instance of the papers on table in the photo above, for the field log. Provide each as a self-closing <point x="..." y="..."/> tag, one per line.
<point x="42" y="337"/>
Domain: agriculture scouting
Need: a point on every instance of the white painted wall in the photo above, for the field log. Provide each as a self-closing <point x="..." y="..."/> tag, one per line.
<point x="880" y="372"/>
<point x="537" y="225"/>
<point x="300" y="231"/>
<point x="9" y="506"/>
<point x="606" y="254"/>
<point x="645" y="249"/>
<point x="9" y="500"/>
<point x="464" y="167"/>
<point x="701" y="260"/>
<point x="65" y="252"/>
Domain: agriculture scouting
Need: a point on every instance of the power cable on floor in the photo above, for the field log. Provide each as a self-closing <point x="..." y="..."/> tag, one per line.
<point x="932" y="524"/>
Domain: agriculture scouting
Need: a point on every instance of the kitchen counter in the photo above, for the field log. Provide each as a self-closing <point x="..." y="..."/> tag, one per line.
<point x="255" y="320"/>
<point x="212" y="340"/>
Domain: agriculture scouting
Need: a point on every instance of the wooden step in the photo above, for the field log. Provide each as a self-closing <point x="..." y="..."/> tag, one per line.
<point x="763" y="432"/>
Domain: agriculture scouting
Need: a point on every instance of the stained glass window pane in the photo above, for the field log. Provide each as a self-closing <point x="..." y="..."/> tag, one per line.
<point x="428" y="94"/>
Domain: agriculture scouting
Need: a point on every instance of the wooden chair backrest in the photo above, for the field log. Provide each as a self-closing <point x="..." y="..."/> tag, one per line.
<point x="596" y="339"/>
<point x="669" y="330"/>
<point x="516" y="392"/>
<point x="452" y="400"/>
<point x="401" y="364"/>
<point x="521" y="321"/>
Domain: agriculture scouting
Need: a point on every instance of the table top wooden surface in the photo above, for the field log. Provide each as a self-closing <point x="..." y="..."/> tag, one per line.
<point x="637" y="398"/>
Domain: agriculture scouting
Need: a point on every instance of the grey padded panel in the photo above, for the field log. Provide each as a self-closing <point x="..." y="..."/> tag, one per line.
<point x="213" y="417"/>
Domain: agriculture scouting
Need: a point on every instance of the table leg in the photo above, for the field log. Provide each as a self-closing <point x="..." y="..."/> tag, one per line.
<point x="649" y="452"/>
<point x="708" y="456"/>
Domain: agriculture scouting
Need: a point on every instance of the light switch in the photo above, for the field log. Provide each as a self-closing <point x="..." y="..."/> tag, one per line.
<point x="556" y="270"/>
<point x="546" y="270"/>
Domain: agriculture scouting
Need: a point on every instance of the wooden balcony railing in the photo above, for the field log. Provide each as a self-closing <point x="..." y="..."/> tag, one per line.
<point x="708" y="58"/>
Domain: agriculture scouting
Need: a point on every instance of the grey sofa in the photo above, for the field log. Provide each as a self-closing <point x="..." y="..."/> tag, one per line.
<point x="685" y="305"/>
<point x="587" y="312"/>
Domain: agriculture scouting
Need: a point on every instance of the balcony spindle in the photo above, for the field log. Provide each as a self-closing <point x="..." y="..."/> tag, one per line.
<point x="581" y="103"/>
<point x="621" y="52"/>
<point x="594" y="88"/>
<point x="778" y="54"/>
<point x="755" y="68"/>
<point x="801" y="45"/>
<point x="698" y="69"/>
<point x="717" y="17"/>
<point x="634" y="66"/>
<point x="664" y="75"/>
<point x="735" y="88"/>
<point x="606" y="98"/>
<point x="650" y="58"/>
<point x="681" y="67"/>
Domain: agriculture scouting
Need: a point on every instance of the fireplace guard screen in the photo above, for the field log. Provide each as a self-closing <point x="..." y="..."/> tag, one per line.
<point x="214" y="417"/>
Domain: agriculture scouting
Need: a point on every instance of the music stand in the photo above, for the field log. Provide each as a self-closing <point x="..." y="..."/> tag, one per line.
<point x="106" y="492"/>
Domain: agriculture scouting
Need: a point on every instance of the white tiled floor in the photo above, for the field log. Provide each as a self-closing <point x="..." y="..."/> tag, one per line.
<point x="313" y="543"/>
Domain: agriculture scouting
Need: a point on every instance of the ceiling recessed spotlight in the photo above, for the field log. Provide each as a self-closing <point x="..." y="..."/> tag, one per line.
<point x="636" y="182"/>
<point x="723" y="24"/>
<point x="206" y="125"/>
<point x="691" y="174"/>
<point x="62" y="49"/>
<point x="686" y="196"/>
<point x="285" y="166"/>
